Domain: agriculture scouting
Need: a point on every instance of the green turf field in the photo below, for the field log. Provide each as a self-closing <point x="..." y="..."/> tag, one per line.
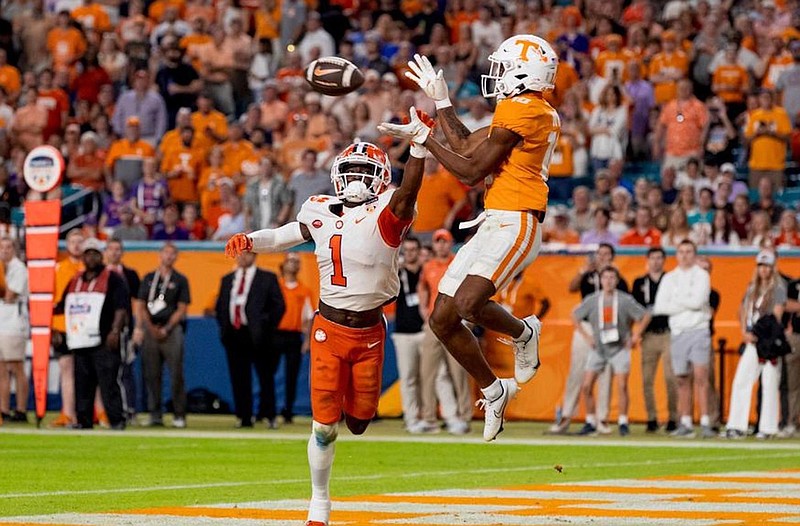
<point x="67" y="471"/>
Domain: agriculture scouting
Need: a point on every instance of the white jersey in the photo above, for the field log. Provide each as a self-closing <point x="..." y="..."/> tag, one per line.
<point x="356" y="251"/>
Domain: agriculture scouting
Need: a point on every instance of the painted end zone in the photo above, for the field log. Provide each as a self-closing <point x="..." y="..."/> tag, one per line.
<point x="738" y="498"/>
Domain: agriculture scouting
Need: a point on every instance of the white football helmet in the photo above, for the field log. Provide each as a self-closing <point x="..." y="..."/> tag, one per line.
<point x="360" y="172"/>
<point x="523" y="62"/>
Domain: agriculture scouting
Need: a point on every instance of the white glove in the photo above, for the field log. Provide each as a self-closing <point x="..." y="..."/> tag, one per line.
<point x="415" y="131"/>
<point x="431" y="82"/>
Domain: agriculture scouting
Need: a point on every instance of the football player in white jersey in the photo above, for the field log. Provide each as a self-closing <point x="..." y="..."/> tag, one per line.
<point x="358" y="233"/>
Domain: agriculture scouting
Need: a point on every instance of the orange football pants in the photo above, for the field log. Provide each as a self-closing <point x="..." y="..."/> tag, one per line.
<point x="346" y="368"/>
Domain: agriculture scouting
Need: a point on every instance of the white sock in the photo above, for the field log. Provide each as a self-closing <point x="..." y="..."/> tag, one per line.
<point x="591" y="420"/>
<point x="493" y="391"/>
<point x="622" y="420"/>
<point x="526" y="333"/>
<point x="686" y="421"/>
<point x="320" y="460"/>
<point x="705" y="421"/>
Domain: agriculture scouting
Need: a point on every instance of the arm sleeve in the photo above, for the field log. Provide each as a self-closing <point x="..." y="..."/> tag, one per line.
<point x="17" y="280"/>
<point x="633" y="307"/>
<point x="392" y="228"/>
<point x="582" y="311"/>
<point x="780" y="294"/>
<point x="143" y="287"/>
<point x="184" y="296"/>
<point x="277" y="239"/>
<point x="663" y="303"/>
<point x="637" y="290"/>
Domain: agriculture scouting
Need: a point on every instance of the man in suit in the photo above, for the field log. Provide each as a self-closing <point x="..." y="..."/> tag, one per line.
<point x="249" y="307"/>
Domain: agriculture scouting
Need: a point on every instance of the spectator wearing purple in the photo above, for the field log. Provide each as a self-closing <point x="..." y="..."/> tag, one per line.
<point x="112" y="204"/>
<point x="728" y="173"/>
<point x="150" y="195"/>
<point x="600" y="233"/>
<point x="640" y="92"/>
<point x="145" y="104"/>
<point x="169" y="230"/>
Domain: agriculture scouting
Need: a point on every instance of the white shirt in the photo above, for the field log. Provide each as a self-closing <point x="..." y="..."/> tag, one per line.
<point x="319" y="38"/>
<point x="241" y="299"/>
<point x="229" y="225"/>
<point x="683" y="295"/>
<point x="14" y="315"/>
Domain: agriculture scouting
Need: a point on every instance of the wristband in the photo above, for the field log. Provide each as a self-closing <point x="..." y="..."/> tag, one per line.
<point x="418" y="151"/>
<point x="442" y="104"/>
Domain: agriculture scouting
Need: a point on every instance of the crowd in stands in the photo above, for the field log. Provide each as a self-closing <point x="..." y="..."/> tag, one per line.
<point x="191" y="119"/>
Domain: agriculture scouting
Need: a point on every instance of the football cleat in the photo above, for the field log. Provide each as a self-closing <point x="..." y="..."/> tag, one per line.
<point x="526" y="353"/>
<point x="494" y="410"/>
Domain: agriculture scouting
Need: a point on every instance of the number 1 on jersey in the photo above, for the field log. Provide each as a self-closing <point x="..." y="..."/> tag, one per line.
<point x="335" y="244"/>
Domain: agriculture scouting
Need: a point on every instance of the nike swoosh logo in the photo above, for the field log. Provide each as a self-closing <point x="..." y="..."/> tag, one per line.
<point x="322" y="72"/>
<point x="373" y="344"/>
<point x="360" y="219"/>
<point x="503" y="225"/>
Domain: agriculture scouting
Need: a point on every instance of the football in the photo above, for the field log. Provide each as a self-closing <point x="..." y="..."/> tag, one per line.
<point x="334" y="76"/>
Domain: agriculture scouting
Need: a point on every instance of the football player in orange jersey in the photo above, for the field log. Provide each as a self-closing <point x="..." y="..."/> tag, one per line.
<point x="513" y="156"/>
<point x="357" y="233"/>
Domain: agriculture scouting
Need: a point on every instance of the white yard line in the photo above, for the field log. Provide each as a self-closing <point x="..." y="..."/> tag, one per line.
<point x="418" y="474"/>
<point x="573" y="441"/>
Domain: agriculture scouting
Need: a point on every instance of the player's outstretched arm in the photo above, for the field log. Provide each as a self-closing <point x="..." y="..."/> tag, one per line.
<point x="432" y="83"/>
<point x="481" y="161"/>
<point x="404" y="199"/>
<point x="268" y="240"/>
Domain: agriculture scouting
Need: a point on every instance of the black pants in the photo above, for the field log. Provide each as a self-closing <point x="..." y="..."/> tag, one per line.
<point x="93" y="367"/>
<point x="288" y="344"/>
<point x="242" y="356"/>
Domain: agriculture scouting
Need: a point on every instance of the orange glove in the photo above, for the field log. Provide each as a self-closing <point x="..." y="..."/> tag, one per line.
<point x="238" y="244"/>
<point x="426" y="119"/>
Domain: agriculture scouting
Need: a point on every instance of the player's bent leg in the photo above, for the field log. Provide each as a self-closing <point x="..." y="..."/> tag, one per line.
<point x="321" y="449"/>
<point x="446" y="324"/>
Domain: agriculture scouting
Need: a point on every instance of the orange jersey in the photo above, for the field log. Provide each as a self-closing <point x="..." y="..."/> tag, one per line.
<point x="432" y="273"/>
<point x="183" y="187"/>
<point x="92" y="16"/>
<point x="123" y="148"/>
<point x="234" y="154"/>
<point x="730" y="81"/>
<point x="437" y="195"/>
<point x="776" y="66"/>
<point x="561" y="164"/>
<point x="520" y="183"/>
<point x="612" y="65"/>
<point x="267" y="23"/>
<point x="675" y="64"/>
<point x="766" y="152"/>
<point x="298" y="306"/>
<point x="65" y="271"/>
<point x="10" y="79"/>
<point x="65" y="45"/>
<point x="214" y="120"/>
<point x="566" y="77"/>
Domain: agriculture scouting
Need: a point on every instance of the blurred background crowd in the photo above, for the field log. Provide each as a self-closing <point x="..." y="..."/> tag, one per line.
<point x="191" y="119"/>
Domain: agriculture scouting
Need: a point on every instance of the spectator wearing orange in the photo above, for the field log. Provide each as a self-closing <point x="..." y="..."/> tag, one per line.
<point x="291" y="337"/>
<point x="159" y="8"/>
<point x="193" y="43"/>
<point x="667" y="68"/>
<point x="209" y="187"/>
<point x="91" y="15"/>
<point x="210" y="126"/>
<point x="524" y="296"/>
<point x="172" y="139"/>
<point x="779" y="60"/>
<point x="295" y="145"/>
<point x="273" y="110"/>
<point x="611" y="64"/>
<point x="681" y="124"/>
<point x="440" y="199"/>
<point x="182" y="167"/>
<point x="66" y="268"/>
<point x="218" y="62"/>
<point x="65" y="43"/>
<point x="235" y="151"/>
<point x="10" y="79"/>
<point x="434" y="354"/>
<point x="86" y="168"/>
<point x="560" y="230"/>
<point x="788" y="233"/>
<point x="768" y="131"/>
<point x="730" y="81"/>
<point x="55" y="101"/>
<point x="29" y="122"/>
<point x="129" y="148"/>
<point x="193" y="223"/>
<point x="643" y="232"/>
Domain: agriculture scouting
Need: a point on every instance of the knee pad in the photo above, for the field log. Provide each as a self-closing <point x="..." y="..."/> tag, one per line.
<point x="356" y="425"/>
<point x="324" y="434"/>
